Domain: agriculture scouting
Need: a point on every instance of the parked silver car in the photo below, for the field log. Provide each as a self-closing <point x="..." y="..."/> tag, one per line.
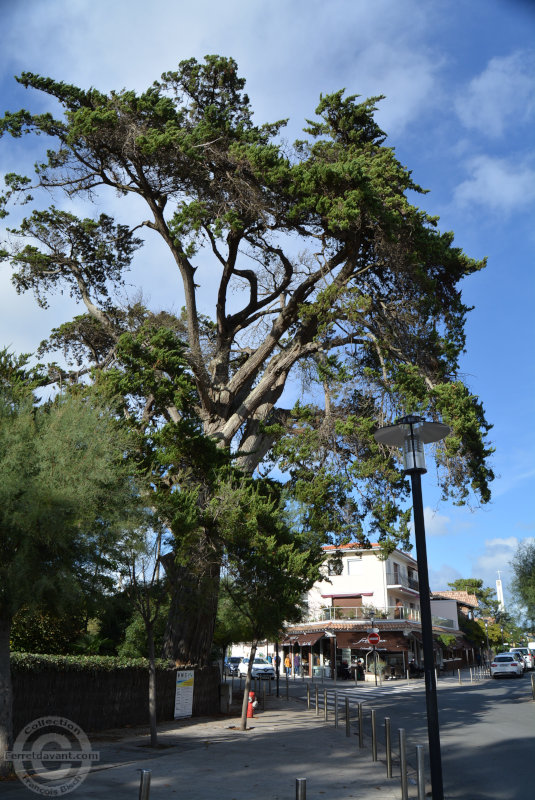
<point x="506" y="664"/>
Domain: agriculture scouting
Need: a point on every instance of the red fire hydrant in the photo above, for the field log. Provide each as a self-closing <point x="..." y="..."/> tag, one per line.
<point x="251" y="705"/>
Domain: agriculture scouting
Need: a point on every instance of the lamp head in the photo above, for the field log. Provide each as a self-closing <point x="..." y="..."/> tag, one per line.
<point x="411" y="433"/>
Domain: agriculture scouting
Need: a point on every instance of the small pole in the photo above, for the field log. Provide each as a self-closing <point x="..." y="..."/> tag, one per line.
<point x="325" y="709"/>
<point x="300" y="789"/>
<point x="533" y="685"/>
<point x="348" y="729"/>
<point x="263" y="695"/>
<point x="388" y="746"/>
<point x="308" y="696"/>
<point x="336" y="709"/>
<point x="408" y="678"/>
<point x="374" y="736"/>
<point x="459" y="671"/>
<point x="361" y="726"/>
<point x="403" y="764"/>
<point x="144" y="784"/>
<point x="471" y="676"/>
<point x="287" y="688"/>
<point x="420" y="771"/>
<point x="316" y="698"/>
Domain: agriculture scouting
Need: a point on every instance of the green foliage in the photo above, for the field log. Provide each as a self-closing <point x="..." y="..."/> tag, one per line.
<point x="523" y="583"/>
<point x="134" y="644"/>
<point x="64" y="498"/>
<point x="446" y="640"/>
<point x="39" y="631"/>
<point x="473" y="629"/>
<point x="30" y="662"/>
<point x="267" y="567"/>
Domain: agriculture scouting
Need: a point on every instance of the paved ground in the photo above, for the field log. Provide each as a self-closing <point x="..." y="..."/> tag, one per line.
<point x="212" y="758"/>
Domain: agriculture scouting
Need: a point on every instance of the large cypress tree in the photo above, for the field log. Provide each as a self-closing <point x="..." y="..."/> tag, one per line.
<point x="322" y="270"/>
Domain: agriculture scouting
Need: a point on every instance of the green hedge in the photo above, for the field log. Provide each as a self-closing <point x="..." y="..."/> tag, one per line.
<point x="35" y="662"/>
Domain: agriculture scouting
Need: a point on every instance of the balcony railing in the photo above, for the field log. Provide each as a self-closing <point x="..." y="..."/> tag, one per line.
<point x="363" y="614"/>
<point x="399" y="579"/>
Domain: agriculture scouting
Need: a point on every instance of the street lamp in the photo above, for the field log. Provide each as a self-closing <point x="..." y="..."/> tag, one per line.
<point x="487" y="635"/>
<point x="374" y="630"/>
<point x="411" y="433"/>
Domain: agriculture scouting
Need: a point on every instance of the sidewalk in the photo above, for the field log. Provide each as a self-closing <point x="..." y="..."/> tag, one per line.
<point x="205" y="758"/>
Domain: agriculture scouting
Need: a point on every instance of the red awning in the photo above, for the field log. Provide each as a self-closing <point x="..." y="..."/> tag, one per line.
<point x="308" y="639"/>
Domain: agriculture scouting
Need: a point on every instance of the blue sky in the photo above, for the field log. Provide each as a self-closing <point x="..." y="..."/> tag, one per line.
<point x="459" y="80"/>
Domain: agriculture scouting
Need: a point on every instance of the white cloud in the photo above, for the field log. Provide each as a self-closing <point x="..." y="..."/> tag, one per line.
<point x="289" y="53"/>
<point x="439" y="579"/>
<point x="496" y="558"/>
<point x="498" y="183"/>
<point x="503" y="94"/>
<point x="436" y="524"/>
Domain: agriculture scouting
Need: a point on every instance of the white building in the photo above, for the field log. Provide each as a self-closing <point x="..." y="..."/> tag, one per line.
<point x="360" y="585"/>
<point x="358" y="579"/>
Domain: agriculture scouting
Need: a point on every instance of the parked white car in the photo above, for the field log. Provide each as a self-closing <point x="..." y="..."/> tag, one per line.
<point x="260" y="669"/>
<point x="526" y="655"/>
<point x="506" y="664"/>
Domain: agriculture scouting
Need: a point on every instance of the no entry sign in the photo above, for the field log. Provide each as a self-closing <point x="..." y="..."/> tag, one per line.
<point x="374" y="638"/>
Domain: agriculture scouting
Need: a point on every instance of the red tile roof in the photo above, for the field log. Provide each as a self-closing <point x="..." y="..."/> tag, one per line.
<point x="461" y="597"/>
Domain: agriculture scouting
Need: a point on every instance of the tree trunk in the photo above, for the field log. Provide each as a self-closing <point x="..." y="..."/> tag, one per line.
<point x="152" y="685"/>
<point x="243" y="726"/>
<point x="6" y="697"/>
<point x="192" y="613"/>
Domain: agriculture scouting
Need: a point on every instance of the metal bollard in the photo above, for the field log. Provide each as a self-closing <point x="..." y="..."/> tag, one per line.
<point x="374" y="736"/>
<point x="325" y="709"/>
<point x="348" y="727"/>
<point x="336" y="709"/>
<point x="403" y="764"/>
<point x="471" y="676"/>
<point x="533" y="686"/>
<point x="420" y="771"/>
<point x="361" y="726"/>
<point x="144" y="783"/>
<point x="300" y="789"/>
<point x="308" y="696"/>
<point x="316" y="698"/>
<point x="264" y="694"/>
<point x="459" y="671"/>
<point x="287" y="688"/>
<point x="408" y="678"/>
<point x="388" y="747"/>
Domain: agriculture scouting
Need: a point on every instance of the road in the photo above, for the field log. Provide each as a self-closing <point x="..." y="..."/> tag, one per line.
<point x="487" y="729"/>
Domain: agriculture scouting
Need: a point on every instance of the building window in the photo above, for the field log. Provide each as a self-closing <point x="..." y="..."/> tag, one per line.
<point x="354" y="566"/>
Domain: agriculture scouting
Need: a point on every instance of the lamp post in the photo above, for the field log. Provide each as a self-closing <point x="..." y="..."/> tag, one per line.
<point x="374" y="630"/>
<point x="487" y="635"/>
<point x="411" y="433"/>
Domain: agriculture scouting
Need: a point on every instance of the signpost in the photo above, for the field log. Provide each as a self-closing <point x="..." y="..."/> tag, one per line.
<point x="374" y="638"/>
<point x="184" y="694"/>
